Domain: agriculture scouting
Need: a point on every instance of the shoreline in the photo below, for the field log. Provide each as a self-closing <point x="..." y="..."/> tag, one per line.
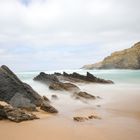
<point x="120" y="120"/>
<point x="118" y="109"/>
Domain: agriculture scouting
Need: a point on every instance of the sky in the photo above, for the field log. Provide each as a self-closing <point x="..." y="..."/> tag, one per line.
<point x="65" y="34"/>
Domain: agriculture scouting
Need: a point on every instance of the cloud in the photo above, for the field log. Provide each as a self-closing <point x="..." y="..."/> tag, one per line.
<point x="65" y="34"/>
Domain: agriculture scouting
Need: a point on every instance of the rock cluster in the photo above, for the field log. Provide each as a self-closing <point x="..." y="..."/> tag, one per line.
<point x="82" y="119"/>
<point x="20" y="95"/>
<point x="65" y="82"/>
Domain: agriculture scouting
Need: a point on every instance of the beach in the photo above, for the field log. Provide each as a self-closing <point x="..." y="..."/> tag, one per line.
<point x="118" y="108"/>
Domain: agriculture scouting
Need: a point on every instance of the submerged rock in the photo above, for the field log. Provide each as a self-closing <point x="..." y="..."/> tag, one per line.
<point x="15" y="114"/>
<point x="84" y="95"/>
<point x="54" y="97"/>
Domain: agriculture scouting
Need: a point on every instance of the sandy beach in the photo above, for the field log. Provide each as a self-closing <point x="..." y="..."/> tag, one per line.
<point x="69" y="70"/>
<point x="119" y="111"/>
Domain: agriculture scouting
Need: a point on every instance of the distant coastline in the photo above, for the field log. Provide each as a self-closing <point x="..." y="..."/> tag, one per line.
<point x="125" y="59"/>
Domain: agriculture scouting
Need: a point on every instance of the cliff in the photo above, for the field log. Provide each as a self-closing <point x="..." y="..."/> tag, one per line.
<point x="125" y="59"/>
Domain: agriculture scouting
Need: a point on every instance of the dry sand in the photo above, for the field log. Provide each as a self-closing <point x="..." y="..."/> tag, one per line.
<point x="120" y="121"/>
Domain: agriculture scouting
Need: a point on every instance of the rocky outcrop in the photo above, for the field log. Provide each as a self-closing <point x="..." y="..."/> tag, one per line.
<point x="76" y="77"/>
<point x="15" y="114"/>
<point x="46" y="78"/>
<point x="58" y="81"/>
<point x="11" y="87"/>
<point x="64" y="86"/>
<point x="125" y="59"/>
<point x="54" y="83"/>
<point x="17" y="93"/>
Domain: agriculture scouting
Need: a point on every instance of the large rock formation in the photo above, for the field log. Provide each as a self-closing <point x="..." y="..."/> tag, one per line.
<point x="17" y="93"/>
<point x="76" y="77"/>
<point x="64" y="82"/>
<point x="126" y="59"/>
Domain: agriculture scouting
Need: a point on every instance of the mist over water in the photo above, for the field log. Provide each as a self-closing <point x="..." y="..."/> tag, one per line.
<point x="126" y="83"/>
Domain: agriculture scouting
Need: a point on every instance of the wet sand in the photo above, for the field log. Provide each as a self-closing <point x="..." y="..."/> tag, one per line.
<point x="119" y="110"/>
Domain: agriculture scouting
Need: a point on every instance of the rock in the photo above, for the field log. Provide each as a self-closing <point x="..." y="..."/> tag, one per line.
<point x="64" y="86"/>
<point x="11" y="86"/>
<point x="19" y="101"/>
<point x="84" y="95"/>
<point x="54" y="97"/>
<point x="125" y="59"/>
<point x="59" y="84"/>
<point x="17" y="93"/>
<point x="46" y="78"/>
<point x="80" y="119"/>
<point x="48" y="108"/>
<point x="94" y="117"/>
<point x="46" y="99"/>
<point x="76" y="77"/>
<point x="14" y="114"/>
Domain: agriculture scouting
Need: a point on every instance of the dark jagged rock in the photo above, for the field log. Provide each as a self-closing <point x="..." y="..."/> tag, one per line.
<point x="125" y="59"/>
<point x="14" y="114"/>
<point x="10" y="85"/>
<point x="17" y="93"/>
<point x="64" y="86"/>
<point x="47" y="108"/>
<point x="46" y="78"/>
<point x="88" y="78"/>
<point x="58" y="78"/>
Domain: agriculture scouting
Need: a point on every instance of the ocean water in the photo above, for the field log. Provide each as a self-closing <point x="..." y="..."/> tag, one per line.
<point x="127" y="84"/>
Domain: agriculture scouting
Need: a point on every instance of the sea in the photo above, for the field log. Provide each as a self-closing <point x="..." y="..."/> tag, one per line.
<point x="126" y="88"/>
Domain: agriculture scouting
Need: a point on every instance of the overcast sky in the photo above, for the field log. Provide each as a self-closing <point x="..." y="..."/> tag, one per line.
<point x="65" y="34"/>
